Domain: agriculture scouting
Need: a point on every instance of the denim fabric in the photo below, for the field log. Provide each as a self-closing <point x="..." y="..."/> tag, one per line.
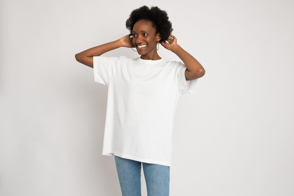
<point x="157" y="177"/>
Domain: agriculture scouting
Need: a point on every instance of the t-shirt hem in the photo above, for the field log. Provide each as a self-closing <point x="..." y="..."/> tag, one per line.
<point x="137" y="158"/>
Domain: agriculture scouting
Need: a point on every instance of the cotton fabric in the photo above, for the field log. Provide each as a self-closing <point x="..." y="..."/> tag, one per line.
<point x="141" y="104"/>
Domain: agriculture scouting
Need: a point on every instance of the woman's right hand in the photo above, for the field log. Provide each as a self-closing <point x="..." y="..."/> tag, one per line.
<point x="126" y="41"/>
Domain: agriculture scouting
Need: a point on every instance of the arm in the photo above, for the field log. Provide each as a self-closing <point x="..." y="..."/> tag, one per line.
<point x="194" y="68"/>
<point x="86" y="57"/>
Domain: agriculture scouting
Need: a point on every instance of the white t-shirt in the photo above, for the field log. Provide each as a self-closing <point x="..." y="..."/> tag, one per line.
<point x="141" y="104"/>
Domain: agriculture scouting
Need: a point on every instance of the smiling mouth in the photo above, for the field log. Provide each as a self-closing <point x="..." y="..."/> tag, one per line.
<point x="143" y="46"/>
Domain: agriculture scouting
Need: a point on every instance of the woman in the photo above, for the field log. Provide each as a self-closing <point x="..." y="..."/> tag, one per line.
<point x="143" y="93"/>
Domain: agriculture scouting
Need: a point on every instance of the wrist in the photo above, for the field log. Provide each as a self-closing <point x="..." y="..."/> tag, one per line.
<point x="118" y="43"/>
<point x="176" y="48"/>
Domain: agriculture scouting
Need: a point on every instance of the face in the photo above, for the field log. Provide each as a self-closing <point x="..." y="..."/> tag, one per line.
<point x="144" y="34"/>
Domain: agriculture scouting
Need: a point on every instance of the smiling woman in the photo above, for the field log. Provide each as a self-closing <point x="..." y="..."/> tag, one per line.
<point x="146" y="39"/>
<point x="143" y="94"/>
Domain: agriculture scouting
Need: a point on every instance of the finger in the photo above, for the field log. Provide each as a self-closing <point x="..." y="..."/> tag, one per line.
<point x="164" y="44"/>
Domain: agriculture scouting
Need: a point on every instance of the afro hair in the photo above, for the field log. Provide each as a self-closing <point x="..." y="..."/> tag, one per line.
<point x="158" y="17"/>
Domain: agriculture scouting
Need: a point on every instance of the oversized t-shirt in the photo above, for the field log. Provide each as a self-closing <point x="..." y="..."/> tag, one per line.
<point x="141" y="104"/>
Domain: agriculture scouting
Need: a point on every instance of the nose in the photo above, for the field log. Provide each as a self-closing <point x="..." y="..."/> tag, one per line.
<point x="138" y="39"/>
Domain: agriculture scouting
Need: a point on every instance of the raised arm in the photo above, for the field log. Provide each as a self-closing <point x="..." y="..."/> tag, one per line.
<point x="86" y="57"/>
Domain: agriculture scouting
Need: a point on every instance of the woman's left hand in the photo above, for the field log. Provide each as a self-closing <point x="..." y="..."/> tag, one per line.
<point x="171" y="44"/>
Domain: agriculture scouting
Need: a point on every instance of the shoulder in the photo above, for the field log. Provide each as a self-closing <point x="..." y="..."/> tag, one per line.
<point x="178" y="63"/>
<point x="175" y="65"/>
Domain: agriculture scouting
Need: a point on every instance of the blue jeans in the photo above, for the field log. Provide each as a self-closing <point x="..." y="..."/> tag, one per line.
<point x="157" y="177"/>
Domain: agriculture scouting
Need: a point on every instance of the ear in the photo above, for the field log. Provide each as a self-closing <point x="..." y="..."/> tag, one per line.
<point x="158" y="37"/>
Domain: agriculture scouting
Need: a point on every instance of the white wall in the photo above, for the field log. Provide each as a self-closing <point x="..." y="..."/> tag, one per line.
<point x="234" y="136"/>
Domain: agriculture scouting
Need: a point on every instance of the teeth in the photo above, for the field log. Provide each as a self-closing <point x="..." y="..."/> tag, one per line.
<point x="142" y="46"/>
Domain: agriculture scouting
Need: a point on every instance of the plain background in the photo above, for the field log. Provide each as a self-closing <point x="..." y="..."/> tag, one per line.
<point x="233" y="136"/>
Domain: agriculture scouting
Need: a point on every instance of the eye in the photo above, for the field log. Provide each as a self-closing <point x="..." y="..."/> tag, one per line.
<point x="132" y="35"/>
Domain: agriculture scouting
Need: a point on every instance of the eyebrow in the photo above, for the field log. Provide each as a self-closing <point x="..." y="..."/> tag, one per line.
<point x="141" y="31"/>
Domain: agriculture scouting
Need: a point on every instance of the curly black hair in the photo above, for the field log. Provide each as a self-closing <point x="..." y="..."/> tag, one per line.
<point x="158" y="17"/>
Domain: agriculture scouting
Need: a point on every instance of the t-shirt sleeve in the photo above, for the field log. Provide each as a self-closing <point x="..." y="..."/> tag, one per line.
<point x="183" y="85"/>
<point x="104" y="68"/>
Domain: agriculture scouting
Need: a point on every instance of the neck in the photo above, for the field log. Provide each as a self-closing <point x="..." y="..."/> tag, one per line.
<point x="151" y="55"/>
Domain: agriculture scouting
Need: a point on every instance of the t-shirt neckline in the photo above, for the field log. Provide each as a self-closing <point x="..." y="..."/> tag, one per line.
<point x="149" y="61"/>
